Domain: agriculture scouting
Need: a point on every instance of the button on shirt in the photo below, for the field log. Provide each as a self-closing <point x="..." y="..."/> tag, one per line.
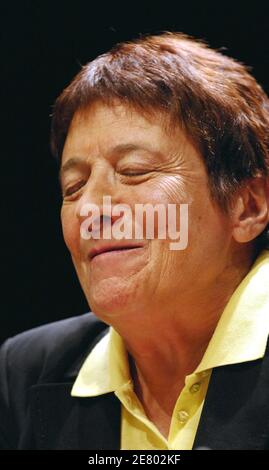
<point x="240" y="336"/>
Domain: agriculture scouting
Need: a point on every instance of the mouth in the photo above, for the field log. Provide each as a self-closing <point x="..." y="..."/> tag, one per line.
<point x="113" y="250"/>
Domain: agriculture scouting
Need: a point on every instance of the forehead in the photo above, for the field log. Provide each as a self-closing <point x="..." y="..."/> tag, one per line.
<point x="102" y="127"/>
<point x="118" y="114"/>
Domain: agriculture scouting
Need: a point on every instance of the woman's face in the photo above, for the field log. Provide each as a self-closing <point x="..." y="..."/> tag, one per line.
<point x="112" y="151"/>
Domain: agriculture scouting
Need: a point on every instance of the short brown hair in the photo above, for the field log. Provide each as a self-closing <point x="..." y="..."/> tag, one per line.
<point x="216" y="101"/>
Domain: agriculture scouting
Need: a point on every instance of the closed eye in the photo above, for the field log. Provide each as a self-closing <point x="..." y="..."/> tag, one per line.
<point x="134" y="173"/>
<point x="73" y="189"/>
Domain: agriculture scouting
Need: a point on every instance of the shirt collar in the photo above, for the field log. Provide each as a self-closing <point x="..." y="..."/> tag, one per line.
<point x="241" y="335"/>
<point x="106" y="368"/>
<point x="242" y="331"/>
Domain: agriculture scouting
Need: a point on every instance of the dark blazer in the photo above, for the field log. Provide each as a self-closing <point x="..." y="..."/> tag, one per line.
<point x="38" y="369"/>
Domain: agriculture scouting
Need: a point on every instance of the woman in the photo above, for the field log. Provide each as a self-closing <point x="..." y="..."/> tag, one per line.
<point x="162" y="120"/>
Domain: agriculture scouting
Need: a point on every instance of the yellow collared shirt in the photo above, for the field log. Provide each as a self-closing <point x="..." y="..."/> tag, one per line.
<point x="240" y="336"/>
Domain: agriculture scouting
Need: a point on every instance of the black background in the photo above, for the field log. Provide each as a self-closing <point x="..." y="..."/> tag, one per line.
<point x="43" y="45"/>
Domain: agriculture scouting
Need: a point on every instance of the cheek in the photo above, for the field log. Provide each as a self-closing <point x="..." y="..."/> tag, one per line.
<point x="166" y="189"/>
<point x="209" y="230"/>
<point x="71" y="230"/>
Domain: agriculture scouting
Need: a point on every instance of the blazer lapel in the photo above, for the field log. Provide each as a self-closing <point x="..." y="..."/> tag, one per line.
<point x="61" y="421"/>
<point x="236" y="409"/>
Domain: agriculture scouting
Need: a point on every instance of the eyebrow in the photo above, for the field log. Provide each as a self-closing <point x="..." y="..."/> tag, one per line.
<point x="71" y="163"/>
<point x="118" y="149"/>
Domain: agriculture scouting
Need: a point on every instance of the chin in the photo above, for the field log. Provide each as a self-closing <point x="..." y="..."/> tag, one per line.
<point x="110" y="298"/>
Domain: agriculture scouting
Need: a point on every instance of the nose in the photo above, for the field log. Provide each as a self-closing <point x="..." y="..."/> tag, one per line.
<point x="97" y="201"/>
<point x="100" y="184"/>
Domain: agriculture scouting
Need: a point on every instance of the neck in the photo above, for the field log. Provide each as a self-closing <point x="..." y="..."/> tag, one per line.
<point x="165" y="343"/>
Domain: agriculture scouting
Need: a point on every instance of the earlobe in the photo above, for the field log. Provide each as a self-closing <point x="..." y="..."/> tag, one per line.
<point x="250" y="212"/>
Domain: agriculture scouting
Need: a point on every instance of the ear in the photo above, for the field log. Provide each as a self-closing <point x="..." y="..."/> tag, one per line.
<point x="250" y="212"/>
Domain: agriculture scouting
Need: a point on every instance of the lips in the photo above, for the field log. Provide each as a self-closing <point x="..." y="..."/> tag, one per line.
<point x="109" y="248"/>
